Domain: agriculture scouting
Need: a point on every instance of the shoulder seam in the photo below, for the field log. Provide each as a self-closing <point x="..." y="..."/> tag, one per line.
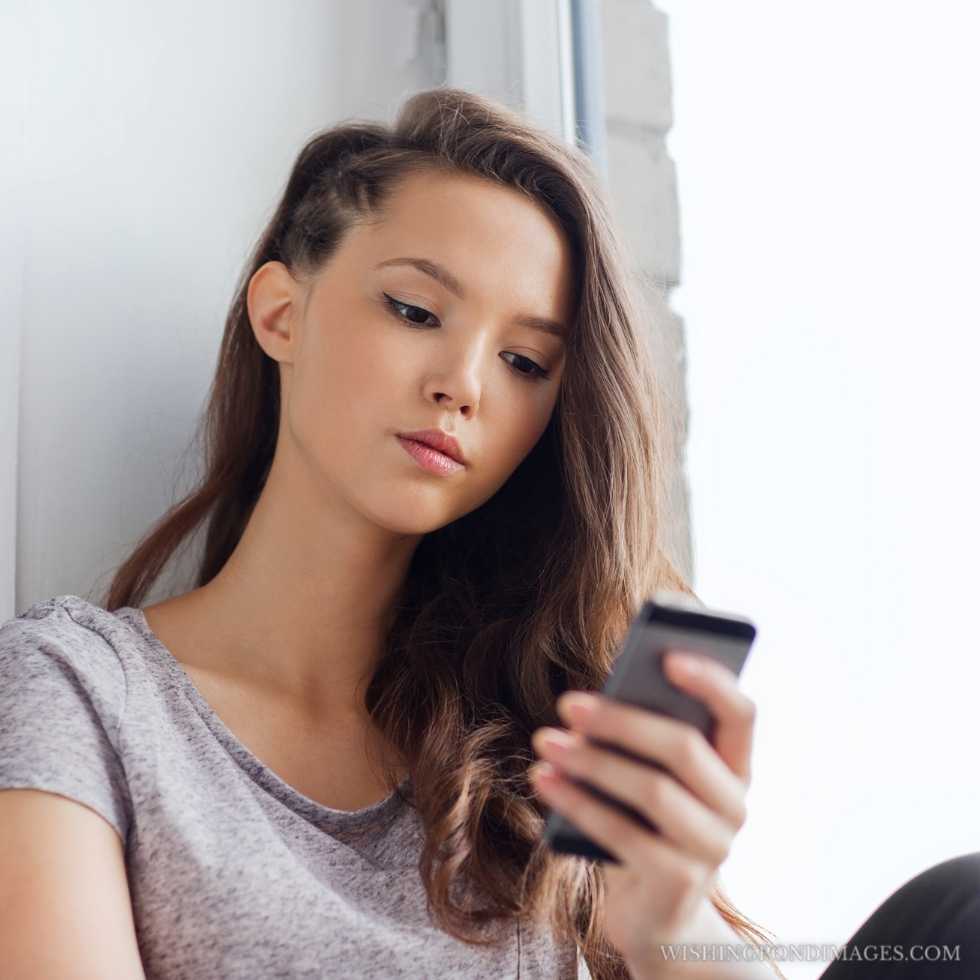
<point x="122" y="668"/>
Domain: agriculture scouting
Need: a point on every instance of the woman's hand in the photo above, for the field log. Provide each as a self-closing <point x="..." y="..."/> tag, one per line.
<point x="659" y="891"/>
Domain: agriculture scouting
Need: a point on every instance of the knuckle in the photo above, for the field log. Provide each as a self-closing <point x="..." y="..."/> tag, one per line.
<point x="656" y="792"/>
<point x="748" y="709"/>
<point x="741" y="815"/>
<point x="589" y="810"/>
<point x="630" y="834"/>
<point x="721" y="854"/>
<point x="689" y="875"/>
<point x="689" y="747"/>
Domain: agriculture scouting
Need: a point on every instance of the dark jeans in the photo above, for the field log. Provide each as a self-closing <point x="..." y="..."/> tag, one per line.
<point x="939" y="907"/>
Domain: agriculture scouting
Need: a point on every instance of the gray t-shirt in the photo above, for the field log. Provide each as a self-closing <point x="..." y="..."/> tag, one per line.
<point x="233" y="873"/>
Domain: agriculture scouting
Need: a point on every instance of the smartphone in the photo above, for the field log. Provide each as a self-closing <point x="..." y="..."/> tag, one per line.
<point x="669" y="621"/>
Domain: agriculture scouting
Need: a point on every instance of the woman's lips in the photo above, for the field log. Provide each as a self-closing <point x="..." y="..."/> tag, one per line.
<point x="430" y="459"/>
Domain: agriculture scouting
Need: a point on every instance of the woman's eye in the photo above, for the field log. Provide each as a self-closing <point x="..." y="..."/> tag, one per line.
<point x="534" y="371"/>
<point x="531" y="371"/>
<point x="398" y="307"/>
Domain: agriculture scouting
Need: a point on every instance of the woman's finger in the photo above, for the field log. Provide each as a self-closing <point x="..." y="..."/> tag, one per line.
<point x="633" y="845"/>
<point x="682" y="819"/>
<point x="733" y="710"/>
<point x="646" y="734"/>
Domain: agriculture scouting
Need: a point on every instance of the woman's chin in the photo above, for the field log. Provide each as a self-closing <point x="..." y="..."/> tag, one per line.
<point x="412" y="513"/>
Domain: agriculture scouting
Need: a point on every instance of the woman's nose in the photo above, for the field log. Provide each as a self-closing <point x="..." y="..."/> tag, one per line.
<point x="459" y="380"/>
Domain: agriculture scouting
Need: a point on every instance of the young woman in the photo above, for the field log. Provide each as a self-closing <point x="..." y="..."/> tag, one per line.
<point x="433" y="500"/>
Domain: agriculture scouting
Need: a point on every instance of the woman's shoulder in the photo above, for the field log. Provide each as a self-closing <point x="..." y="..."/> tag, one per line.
<point x="68" y="639"/>
<point x="63" y="692"/>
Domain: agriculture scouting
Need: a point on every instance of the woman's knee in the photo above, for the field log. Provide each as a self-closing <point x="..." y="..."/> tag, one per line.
<point x="951" y="879"/>
<point x="940" y="906"/>
<point x="932" y="922"/>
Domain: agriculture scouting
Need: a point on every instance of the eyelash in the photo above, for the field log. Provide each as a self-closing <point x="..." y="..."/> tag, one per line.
<point x="537" y="374"/>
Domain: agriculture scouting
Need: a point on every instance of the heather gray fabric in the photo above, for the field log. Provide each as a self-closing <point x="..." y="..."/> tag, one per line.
<point x="233" y="873"/>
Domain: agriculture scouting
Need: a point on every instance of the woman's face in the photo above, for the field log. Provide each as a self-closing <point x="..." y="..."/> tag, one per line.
<point x="376" y="345"/>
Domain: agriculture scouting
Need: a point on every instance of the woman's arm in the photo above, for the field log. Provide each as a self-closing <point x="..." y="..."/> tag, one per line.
<point x="65" y="908"/>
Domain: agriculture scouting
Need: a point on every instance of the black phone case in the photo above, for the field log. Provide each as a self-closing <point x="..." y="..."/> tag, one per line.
<point x="668" y="621"/>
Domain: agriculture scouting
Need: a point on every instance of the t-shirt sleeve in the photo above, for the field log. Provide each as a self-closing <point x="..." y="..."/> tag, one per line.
<point x="62" y="699"/>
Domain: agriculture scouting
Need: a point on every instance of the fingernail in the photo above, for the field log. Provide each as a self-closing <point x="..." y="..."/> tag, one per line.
<point x="543" y="771"/>
<point x="558" y="741"/>
<point x="580" y="707"/>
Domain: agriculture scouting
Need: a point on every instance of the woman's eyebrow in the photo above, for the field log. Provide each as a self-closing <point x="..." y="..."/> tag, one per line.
<point x="446" y="279"/>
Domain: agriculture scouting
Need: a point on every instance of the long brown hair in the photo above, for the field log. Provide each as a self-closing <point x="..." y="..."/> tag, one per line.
<point x="525" y="597"/>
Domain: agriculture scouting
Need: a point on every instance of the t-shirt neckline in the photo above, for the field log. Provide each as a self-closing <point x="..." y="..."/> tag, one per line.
<point x="308" y="808"/>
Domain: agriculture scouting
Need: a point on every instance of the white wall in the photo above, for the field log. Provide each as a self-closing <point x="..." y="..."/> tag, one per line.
<point x="14" y="60"/>
<point x="827" y="160"/>
<point x="155" y="141"/>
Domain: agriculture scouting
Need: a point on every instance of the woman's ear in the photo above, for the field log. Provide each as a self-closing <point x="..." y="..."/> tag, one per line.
<point x="274" y="300"/>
